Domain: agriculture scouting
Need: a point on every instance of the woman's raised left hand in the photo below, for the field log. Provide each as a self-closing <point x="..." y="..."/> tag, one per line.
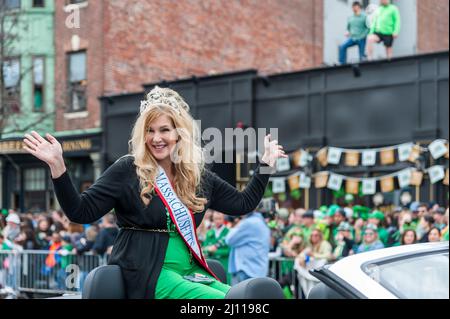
<point x="272" y="151"/>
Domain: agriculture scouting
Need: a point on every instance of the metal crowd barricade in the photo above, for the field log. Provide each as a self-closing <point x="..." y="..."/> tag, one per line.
<point x="8" y="269"/>
<point x="46" y="272"/>
<point x="282" y="270"/>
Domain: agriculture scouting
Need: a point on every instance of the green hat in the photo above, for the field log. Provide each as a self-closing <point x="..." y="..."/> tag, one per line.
<point x="376" y="214"/>
<point x="333" y="209"/>
<point x="344" y="226"/>
<point x="323" y="209"/>
<point x="4" y="212"/>
<point x="361" y="212"/>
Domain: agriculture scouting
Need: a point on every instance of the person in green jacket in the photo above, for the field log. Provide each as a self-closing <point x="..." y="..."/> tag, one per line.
<point x="214" y="245"/>
<point x="376" y="218"/>
<point x="385" y="28"/>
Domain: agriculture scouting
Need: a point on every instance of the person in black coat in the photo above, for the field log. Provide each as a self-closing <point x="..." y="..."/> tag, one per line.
<point x="165" y="167"/>
<point x="106" y="236"/>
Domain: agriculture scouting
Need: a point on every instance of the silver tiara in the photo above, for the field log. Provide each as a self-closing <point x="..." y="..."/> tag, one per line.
<point x="164" y="96"/>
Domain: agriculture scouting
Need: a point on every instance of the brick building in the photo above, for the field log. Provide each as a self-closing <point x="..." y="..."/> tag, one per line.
<point x="128" y="43"/>
<point x="432" y="25"/>
<point x="115" y="46"/>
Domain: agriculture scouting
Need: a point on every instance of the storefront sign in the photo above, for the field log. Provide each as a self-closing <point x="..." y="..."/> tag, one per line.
<point x="16" y="147"/>
<point x="11" y="147"/>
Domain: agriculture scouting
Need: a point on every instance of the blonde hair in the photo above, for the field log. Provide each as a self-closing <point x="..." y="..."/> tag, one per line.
<point x="189" y="162"/>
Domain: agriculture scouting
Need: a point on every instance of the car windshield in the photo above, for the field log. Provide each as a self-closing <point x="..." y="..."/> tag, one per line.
<point x="416" y="277"/>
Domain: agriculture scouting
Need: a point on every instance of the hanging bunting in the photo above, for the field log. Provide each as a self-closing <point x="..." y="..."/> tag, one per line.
<point x="293" y="182"/>
<point x="404" y="178"/>
<point x="352" y="187"/>
<point x="278" y="185"/>
<point x="404" y="151"/>
<point x="387" y="184"/>
<point x="335" y="182"/>
<point x="387" y="156"/>
<point x="296" y="158"/>
<point x="436" y="174"/>
<point x="304" y="157"/>
<point x="438" y="149"/>
<point x="369" y="186"/>
<point x="322" y="157"/>
<point x="321" y="180"/>
<point x="352" y="158"/>
<point x="305" y="181"/>
<point x="283" y="165"/>
<point x="369" y="158"/>
<point x="334" y="155"/>
<point x="415" y="153"/>
<point x="416" y="178"/>
<point x="446" y="177"/>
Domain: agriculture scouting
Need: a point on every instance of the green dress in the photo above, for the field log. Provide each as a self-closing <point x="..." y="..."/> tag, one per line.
<point x="178" y="263"/>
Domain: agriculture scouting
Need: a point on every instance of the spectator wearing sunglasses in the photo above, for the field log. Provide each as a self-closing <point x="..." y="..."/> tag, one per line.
<point x="370" y="240"/>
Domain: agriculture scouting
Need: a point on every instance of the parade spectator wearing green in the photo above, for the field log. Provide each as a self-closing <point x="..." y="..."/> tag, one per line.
<point x="344" y="241"/>
<point x="385" y="28"/>
<point x="370" y="241"/>
<point x="376" y="218"/>
<point x="214" y="245"/>
<point x="308" y="225"/>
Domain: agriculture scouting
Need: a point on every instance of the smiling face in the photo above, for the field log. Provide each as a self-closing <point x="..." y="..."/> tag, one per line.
<point x="161" y="138"/>
<point x="369" y="236"/>
<point x="434" y="236"/>
<point x="316" y="237"/>
<point x="409" y="238"/>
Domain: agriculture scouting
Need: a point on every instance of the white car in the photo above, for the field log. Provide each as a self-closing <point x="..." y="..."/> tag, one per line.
<point x="419" y="271"/>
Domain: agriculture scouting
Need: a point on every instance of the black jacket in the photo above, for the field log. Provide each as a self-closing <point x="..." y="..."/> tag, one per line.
<point x="141" y="254"/>
<point x="104" y="239"/>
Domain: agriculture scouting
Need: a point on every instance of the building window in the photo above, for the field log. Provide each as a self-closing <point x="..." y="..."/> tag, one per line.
<point x="77" y="81"/>
<point x="11" y="83"/>
<point x="38" y="3"/>
<point x="10" y="4"/>
<point x="35" y="190"/>
<point x="38" y="84"/>
<point x="35" y="179"/>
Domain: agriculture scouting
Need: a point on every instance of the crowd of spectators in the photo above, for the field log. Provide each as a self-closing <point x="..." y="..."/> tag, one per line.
<point x="307" y="238"/>
<point x="313" y="238"/>
<point x="53" y="231"/>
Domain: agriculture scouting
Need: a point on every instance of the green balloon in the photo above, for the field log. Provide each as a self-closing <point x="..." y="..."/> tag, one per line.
<point x="296" y="194"/>
<point x="339" y="194"/>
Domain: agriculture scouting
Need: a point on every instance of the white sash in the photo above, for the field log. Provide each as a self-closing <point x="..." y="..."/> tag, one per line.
<point x="181" y="216"/>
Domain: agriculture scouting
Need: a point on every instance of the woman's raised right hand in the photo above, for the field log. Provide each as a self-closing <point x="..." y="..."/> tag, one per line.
<point x="48" y="151"/>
